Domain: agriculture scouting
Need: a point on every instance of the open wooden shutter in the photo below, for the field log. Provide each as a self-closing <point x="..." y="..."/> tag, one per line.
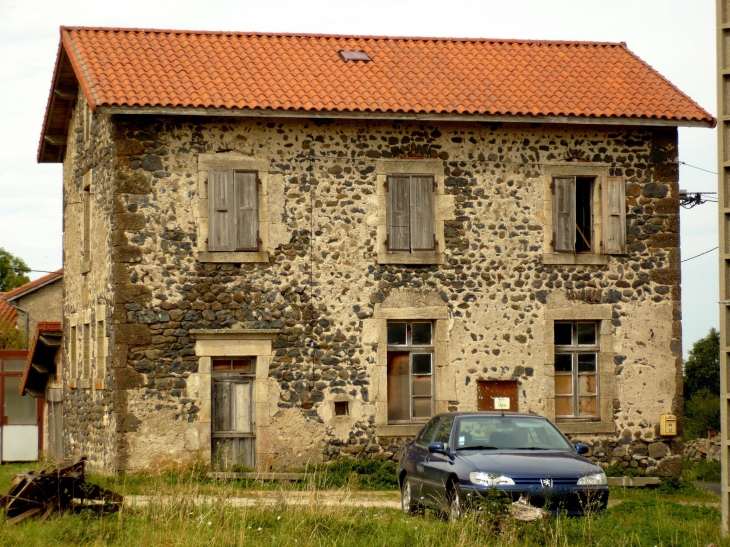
<point x="398" y="214"/>
<point x="614" y="215"/>
<point x="220" y="210"/>
<point x="564" y="214"/>
<point x="246" y="197"/>
<point x="422" y="213"/>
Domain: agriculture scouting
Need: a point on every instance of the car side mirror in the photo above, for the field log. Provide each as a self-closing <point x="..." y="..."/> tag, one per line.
<point x="581" y="448"/>
<point x="437" y="448"/>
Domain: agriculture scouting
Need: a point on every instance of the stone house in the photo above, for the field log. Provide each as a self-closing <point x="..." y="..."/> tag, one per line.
<point x="288" y="248"/>
<point x="38" y="300"/>
<point x="24" y="429"/>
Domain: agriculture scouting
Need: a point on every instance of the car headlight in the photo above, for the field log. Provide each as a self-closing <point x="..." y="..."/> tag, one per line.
<point x="489" y="479"/>
<point x="597" y="479"/>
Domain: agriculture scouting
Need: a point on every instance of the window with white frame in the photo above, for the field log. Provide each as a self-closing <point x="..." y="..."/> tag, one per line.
<point x="410" y="371"/>
<point x="576" y="369"/>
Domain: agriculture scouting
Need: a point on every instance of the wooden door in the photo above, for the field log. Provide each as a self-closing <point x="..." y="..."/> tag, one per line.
<point x="497" y="395"/>
<point x="233" y="427"/>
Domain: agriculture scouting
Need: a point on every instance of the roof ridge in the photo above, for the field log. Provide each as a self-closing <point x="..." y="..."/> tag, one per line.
<point x="358" y="36"/>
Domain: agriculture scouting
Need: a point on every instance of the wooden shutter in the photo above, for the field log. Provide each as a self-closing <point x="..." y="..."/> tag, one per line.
<point x="564" y="214"/>
<point x="246" y="197"/>
<point x="614" y="215"/>
<point x="398" y="214"/>
<point x="422" y="213"/>
<point x="220" y="211"/>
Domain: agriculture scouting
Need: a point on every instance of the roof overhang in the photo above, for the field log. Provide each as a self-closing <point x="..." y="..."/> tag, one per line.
<point x="61" y="99"/>
<point x="41" y="359"/>
<point x="397" y="116"/>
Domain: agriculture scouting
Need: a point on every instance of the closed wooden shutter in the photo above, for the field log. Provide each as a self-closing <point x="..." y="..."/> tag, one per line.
<point x="220" y="216"/>
<point x="614" y="215"/>
<point x="422" y="213"/>
<point x="245" y="191"/>
<point x="398" y="214"/>
<point x="564" y="214"/>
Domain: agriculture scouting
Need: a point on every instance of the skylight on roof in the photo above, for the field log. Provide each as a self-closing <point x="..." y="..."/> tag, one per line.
<point x="354" y="56"/>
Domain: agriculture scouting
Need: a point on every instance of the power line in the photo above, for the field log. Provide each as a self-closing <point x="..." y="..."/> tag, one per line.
<point x="695" y="256"/>
<point x="695" y="167"/>
<point x="25" y="270"/>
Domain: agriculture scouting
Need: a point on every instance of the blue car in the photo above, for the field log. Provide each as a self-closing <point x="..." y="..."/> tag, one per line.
<point x="458" y="457"/>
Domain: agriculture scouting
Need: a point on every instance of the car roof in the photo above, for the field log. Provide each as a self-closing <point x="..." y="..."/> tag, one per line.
<point x="495" y="413"/>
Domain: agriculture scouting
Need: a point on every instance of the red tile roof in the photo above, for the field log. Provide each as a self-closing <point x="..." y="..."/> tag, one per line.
<point x="33" y="285"/>
<point x="304" y="72"/>
<point x="8" y="314"/>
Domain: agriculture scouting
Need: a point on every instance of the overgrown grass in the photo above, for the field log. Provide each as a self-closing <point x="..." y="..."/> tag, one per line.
<point x="702" y="471"/>
<point x="179" y="522"/>
<point x="186" y="509"/>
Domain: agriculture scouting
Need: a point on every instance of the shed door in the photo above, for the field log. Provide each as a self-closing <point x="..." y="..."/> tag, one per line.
<point x="233" y="433"/>
<point x="497" y="395"/>
<point x="20" y="423"/>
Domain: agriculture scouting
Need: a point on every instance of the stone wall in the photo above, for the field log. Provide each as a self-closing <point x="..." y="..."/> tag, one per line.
<point x="88" y="406"/>
<point x="323" y="286"/>
<point x="43" y="304"/>
<point x="703" y="449"/>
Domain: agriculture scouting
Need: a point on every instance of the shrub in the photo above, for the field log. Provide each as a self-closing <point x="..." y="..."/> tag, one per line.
<point x="358" y="474"/>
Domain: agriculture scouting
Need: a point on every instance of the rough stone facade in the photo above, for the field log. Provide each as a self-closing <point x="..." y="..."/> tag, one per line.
<point x="322" y="289"/>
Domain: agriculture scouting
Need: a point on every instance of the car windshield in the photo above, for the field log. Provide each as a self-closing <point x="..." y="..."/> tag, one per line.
<point x="508" y="432"/>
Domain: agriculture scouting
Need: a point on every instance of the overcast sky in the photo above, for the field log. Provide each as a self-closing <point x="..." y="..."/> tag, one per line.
<point x="677" y="37"/>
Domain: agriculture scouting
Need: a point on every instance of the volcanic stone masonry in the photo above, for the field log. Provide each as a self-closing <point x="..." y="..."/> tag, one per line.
<point x="320" y="288"/>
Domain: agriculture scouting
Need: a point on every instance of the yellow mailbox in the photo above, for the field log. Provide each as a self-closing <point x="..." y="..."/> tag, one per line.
<point x="668" y="425"/>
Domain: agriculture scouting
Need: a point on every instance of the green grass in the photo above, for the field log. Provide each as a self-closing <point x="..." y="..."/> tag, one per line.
<point x="180" y="523"/>
<point x="675" y="515"/>
<point x="702" y="471"/>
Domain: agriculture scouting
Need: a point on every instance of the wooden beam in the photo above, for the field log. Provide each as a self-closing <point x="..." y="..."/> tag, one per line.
<point x="258" y="476"/>
<point x="405" y="116"/>
<point x="56" y="140"/>
<point x="67" y="94"/>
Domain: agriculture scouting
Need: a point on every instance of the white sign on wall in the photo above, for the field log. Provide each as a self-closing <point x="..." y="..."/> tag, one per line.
<point x="501" y="403"/>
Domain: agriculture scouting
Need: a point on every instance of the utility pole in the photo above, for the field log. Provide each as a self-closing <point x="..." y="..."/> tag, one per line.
<point x="723" y="187"/>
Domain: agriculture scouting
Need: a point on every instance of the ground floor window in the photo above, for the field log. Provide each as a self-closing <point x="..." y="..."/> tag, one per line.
<point x="233" y="437"/>
<point x="410" y="371"/>
<point x="576" y="369"/>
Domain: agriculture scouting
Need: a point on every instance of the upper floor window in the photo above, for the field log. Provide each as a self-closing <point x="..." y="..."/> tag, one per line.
<point x="233" y="201"/>
<point x="589" y="216"/>
<point x="410" y="213"/>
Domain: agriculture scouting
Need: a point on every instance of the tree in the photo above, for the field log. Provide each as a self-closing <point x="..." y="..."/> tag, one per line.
<point x="702" y="387"/>
<point x="12" y="271"/>
<point x="702" y="369"/>
<point x="10" y="336"/>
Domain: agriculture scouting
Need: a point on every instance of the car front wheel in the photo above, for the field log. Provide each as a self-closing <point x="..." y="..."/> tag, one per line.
<point x="408" y="504"/>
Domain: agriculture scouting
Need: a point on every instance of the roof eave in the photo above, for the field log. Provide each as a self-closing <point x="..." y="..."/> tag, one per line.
<point x="503" y="118"/>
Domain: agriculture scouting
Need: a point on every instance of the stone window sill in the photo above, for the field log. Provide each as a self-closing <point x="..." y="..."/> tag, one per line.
<point x="420" y="257"/>
<point x="233" y="257"/>
<point x="399" y="430"/>
<point x="578" y="428"/>
<point x="574" y="259"/>
<point x="85" y="266"/>
<point x="84" y="383"/>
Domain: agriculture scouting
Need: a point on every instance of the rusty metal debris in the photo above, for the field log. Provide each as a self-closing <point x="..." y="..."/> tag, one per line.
<point x="64" y="489"/>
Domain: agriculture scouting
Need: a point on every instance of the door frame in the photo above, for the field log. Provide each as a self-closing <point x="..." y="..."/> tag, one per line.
<point x="15" y="355"/>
